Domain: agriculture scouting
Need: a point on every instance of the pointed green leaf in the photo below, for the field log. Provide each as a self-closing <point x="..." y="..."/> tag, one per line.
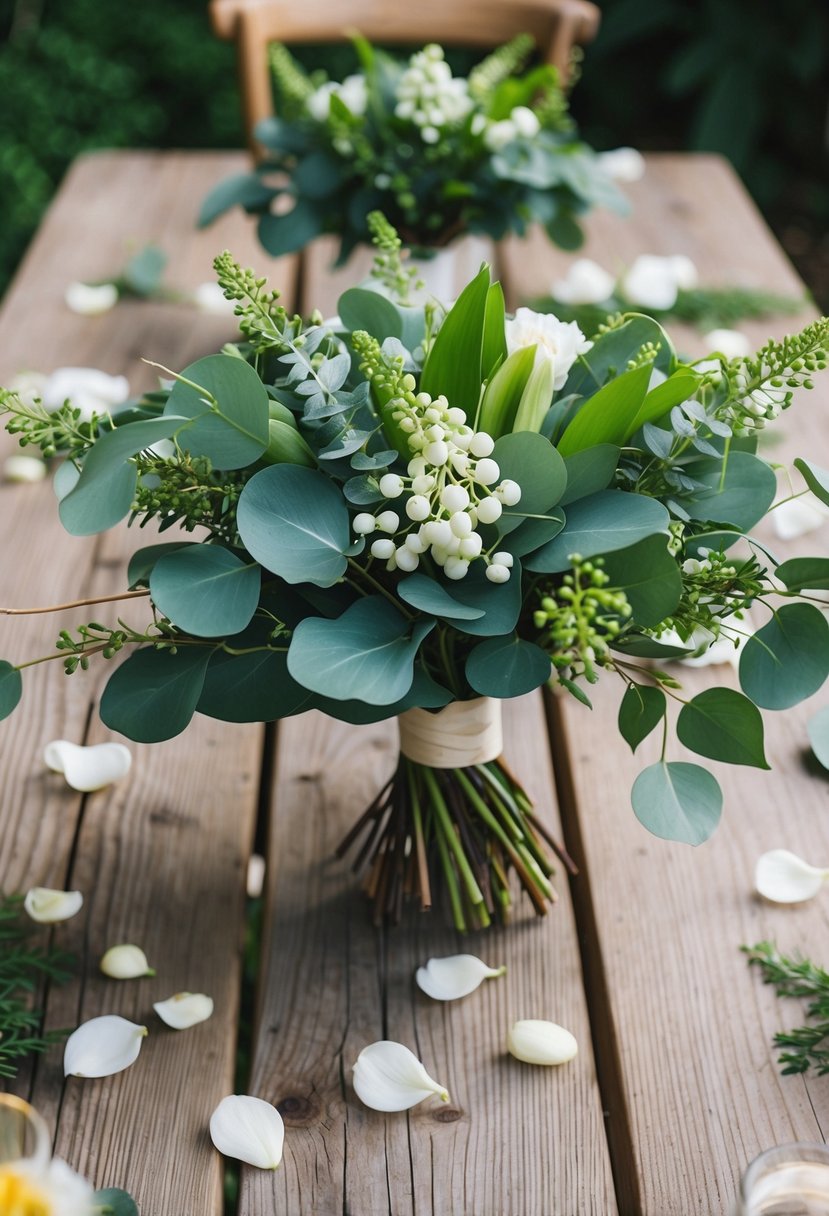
<point x="255" y="687"/>
<point x="816" y="478"/>
<point x="722" y="724"/>
<point x="501" y="602"/>
<point x="11" y="689"/>
<point x="589" y="471"/>
<point x="537" y="398"/>
<point x="453" y="366"/>
<point x="143" y="560"/>
<point x="612" y="352"/>
<point x="642" y="709"/>
<point x="805" y="573"/>
<point x="206" y="590"/>
<point x="788" y="659"/>
<point x="507" y="667"/>
<point x="503" y="393"/>
<point x="230" y="414"/>
<point x="154" y="694"/>
<point x="609" y="414"/>
<point x="677" y="801"/>
<point x="494" y="348"/>
<point x="660" y="400"/>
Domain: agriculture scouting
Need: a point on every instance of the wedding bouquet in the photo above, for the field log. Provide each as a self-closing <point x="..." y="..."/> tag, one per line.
<point x="440" y="155"/>
<point x="417" y="512"/>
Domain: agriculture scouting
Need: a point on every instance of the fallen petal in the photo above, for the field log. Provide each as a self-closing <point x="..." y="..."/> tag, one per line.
<point x="102" y="1047"/>
<point x="23" y="469"/>
<point x="125" y="962"/>
<point x="798" y="516"/>
<point x="185" y="1009"/>
<point x="209" y="297"/>
<point x="88" y="768"/>
<point x="785" y="878"/>
<point x="255" y="883"/>
<point x="387" y="1076"/>
<point x="249" y="1129"/>
<point x="623" y="164"/>
<point x="447" y="979"/>
<point x="90" y="300"/>
<point x="48" y="907"/>
<point x="728" y="342"/>
<point x="539" y="1042"/>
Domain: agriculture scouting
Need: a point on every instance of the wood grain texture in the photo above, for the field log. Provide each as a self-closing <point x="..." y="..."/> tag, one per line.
<point x="514" y="1139"/>
<point x="688" y="1023"/>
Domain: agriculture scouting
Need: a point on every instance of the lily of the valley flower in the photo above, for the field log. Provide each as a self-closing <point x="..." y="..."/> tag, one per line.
<point x="88" y="768"/>
<point x="447" y="979"/>
<point x="249" y="1129"/>
<point x="654" y="282"/>
<point x="560" y="341"/>
<point x="586" y="282"/>
<point x="48" y="907"/>
<point x="785" y="878"/>
<point x="184" y="1010"/>
<point x="102" y="1046"/>
<point x="23" y="469"/>
<point x="538" y="1042"/>
<point x="90" y="300"/>
<point x="125" y="962"/>
<point x="623" y="164"/>
<point x="387" y="1076"/>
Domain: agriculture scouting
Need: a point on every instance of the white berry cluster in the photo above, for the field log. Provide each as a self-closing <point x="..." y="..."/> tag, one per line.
<point x="430" y="95"/>
<point x="453" y="485"/>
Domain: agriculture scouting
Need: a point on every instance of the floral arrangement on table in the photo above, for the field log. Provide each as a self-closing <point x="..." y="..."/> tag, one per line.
<point x="416" y="512"/>
<point x="440" y="155"/>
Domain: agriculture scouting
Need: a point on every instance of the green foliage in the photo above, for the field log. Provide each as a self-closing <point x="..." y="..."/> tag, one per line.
<point x="114" y="1202"/>
<point x="507" y="667"/>
<point x="806" y="1046"/>
<point x="206" y="590"/>
<point x="788" y="659"/>
<point x="600" y="523"/>
<point x="641" y="710"/>
<point x="677" y="801"/>
<point x="723" y="725"/>
<point x="819" y="735"/>
<point x="153" y="695"/>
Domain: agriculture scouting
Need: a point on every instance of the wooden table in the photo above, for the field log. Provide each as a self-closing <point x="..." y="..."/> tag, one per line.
<point x="675" y="1087"/>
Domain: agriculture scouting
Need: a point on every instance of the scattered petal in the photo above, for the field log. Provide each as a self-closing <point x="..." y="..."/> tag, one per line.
<point x="48" y="907"/>
<point x="785" y="878"/>
<point x="539" y="1042"/>
<point x="89" y="390"/>
<point x="623" y="164"/>
<point x="23" y="468"/>
<point x="29" y="386"/>
<point x="249" y="1129"/>
<point x="798" y="516"/>
<point x="90" y="300"/>
<point x="586" y="282"/>
<point x="256" y="876"/>
<point x="387" y="1076"/>
<point x="102" y="1047"/>
<point x="447" y="979"/>
<point x="209" y="297"/>
<point x="728" y="342"/>
<point x="184" y="1010"/>
<point x="125" y="963"/>
<point x="88" y="768"/>
<point x="651" y="282"/>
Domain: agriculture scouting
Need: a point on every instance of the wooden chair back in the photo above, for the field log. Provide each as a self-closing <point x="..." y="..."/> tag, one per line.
<point x="556" y="25"/>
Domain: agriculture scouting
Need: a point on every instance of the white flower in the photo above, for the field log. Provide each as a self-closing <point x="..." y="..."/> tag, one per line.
<point x="525" y="121"/>
<point x="539" y="1042"/>
<point x="88" y="768"/>
<point x="351" y="92"/>
<point x="89" y="390"/>
<point x="499" y="134"/>
<point x="387" y="1076"/>
<point x="249" y="1129"/>
<point x="686" y="275"/>
<point x="799" y="516"/>
<point x="37" y="1188"/>
<point x="209" y="298"/>
<point x="90" y="300"/>
<point x="623" y="164"/>
<point x="560" y="341"/>
<point x="651" y="282"/>
<point x="125" y="962"/>
<point x="729" y="343"/>
<point x="29" y="386"/>
<point x="785" y="878"/>
<point x="48" y="907"/>
<point x="23" y="469"/>
<point x="102" y="1047"/>
<point x="586" y="282"/>
<point x="185" y="1009"/>
<point x="447" y="979"/>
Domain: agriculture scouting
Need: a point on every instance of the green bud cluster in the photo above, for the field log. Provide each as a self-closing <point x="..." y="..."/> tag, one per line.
<point x="645" y="355"/>
<point x="580" y="619"/>
<point x="262" y="319"/>
<point x="188" y="492"/>
<point x="58" y="431"/>
<point x="505" y="61"/>
<point x="755" y="390"/>
<point x="292" y="84"/>
<point x="389" y="268"/>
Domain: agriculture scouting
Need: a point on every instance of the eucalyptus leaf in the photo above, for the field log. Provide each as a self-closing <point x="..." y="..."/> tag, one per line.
<point x="641" y="710"/>
<point x="722" y="724"/>
<point x="816" y="478"/>
<point x="242" y="190"/>
<point x="142" y="562"/>
<point x="435" y="599"/>
<point x="589" y="471"/>
<point x="206" y="590"/>
<point x="501" y="602"/>
<point x="230" y="413"/>
<point x="677" y="801"/>
<point x="533" y="533"/>
<point x="649" y="577"/>
<point x="507" y="667"/>
<point x="11" y="688"/>
<point x="368" y="310"/>
<point x="739" y="492"/>
<point x="819" y="735"/>
<point x="530" y="460"/>
<point x="114" y="1202"/>
<point x="254" y="687"/>
<point x="788" y="659"/>
<point x="291" y="231"/>
<point x="153" y="695"/>
<point x="600" y="523"/>
<point x="805" y="573"/>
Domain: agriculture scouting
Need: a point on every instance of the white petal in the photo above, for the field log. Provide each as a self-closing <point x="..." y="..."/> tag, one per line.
<point x="125" y="962"/>
<point x="59" y="1190"/>
<point x="785" y="878"/>
<point x="209" y="297"/>
<point x="23" y="468"/>
<point x="102" y="1047"/>
<point x="185" y="1009"/>
<point x="651" y="282"/>
<point x="88" y="768"/>
<point x="586" y="282"/>
<point x="29" y="386"/>
<point x="90" y="300"/>
<point x="728" y="342"/>
<point x="623" y="164"/>
<point x="447" y="979"/>
<point x="255" y="882"/>
<point x="798" y="516"/>
<point x="538" y="1042"/>
<point x="248" y="1129"/>
<point x="48" y="907"/>
<point x="387" y="1076"/>
<point x="89" y="390"/>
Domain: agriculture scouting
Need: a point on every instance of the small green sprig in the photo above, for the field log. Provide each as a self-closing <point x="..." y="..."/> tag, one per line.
<point x="503" y="62"/>
<point x="755" y="390"/>
<point x="580" y="619"/>
<point x="389" y="268"/>
<point x="292" y="83"/>
<point x="52" y="431"/>
<point x="188" y="492"/>
<point x="262" y="319"/>
<point x="806" y="1046"/>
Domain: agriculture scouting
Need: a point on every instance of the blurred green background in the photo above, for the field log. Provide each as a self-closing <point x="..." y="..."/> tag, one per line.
<point x="748" y="78"/>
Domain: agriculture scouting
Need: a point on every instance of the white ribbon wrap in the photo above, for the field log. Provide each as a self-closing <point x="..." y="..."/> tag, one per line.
<point x="461" y="734"/>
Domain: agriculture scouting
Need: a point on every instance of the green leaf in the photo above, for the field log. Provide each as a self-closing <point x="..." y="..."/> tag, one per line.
<point x="362" y="309"/>
<point x="105" y="490"/>
<point x="589" y="471"/>
<point x="424" y="693"/>
<point x="206" y="590"/>
<point x="295" y="523"/>
<point x="243" y="190"/>
<point x="114" y="1202"/>
<point x="642" y="709"/>
<point x="142" y="562"/>
<point x="367" y="654"/>
<point x="819" y="735"/>
<point x="677" y="801"/>
<point x="600" y="523"/>
<point x="318" y="175"/>
<point x="255" y="687"/>
<point x="501" y="602"/>
<point x="531" y="460"/>
<point x="611" y="353"/>
<point x="660" y="400"/>
<point x="504" y="391"/>
<point x="805" y="573"/>
<point x="507" y="667"/>
<point x="232" y="429"/>
<point x="816" y="479"/>
<point x="722" y="724"/>
<point x="533" y="533"/>
<point x="143" y="272"/>
<point x="11" y="689"/>
<point x="153" y="695"/>
<point x="288" y="233"/>
<point x="536" y="399"/>
<point x="494" y="343"/>
<point x="788" y="659"/>
<point x="453" y="366"/>
<point x="649" y="577"/>
<point x="609" y="414"/>
<point x="434" y="599"/>
<point x="564" y="231"/>
<point x="738" y="492"/>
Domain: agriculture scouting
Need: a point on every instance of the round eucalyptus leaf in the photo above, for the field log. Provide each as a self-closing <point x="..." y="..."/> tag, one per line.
<point x="533" y="533"/>
<point x="677" y="801"/>
<point x="722" y="724"/>
<point x="206" y="590"/>
<point x="143" y="561"/>
<point x="425" y="693"/>
<point x="294" y="522"/>
<point x="255" y="687"/>
<point x="11" y="688"/>
<point x="788" y="659"/>
<point x="507" y="667"/>
<point x="589" y="471"/>
<point x="738" y="492"/>
<point x="601" y="523"/>
<point x="230" y="413"/>
<point x="816" y="479"/>
<point x="819" y="735"/>
<point x="500" y="602"/>
<point x="359" y="308"/>
<point x="154" y="694"/>
<point x="642" y="709"/>
<point x="434" y="599"/>
<point x="805" y="573"/>
<point x="530" y="460"/>
<point x="649" y="577"/>
<point x="114" y="1202"/>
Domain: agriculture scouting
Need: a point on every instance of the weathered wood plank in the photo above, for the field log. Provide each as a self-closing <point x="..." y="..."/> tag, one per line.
<point x="688" y="1027"/>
